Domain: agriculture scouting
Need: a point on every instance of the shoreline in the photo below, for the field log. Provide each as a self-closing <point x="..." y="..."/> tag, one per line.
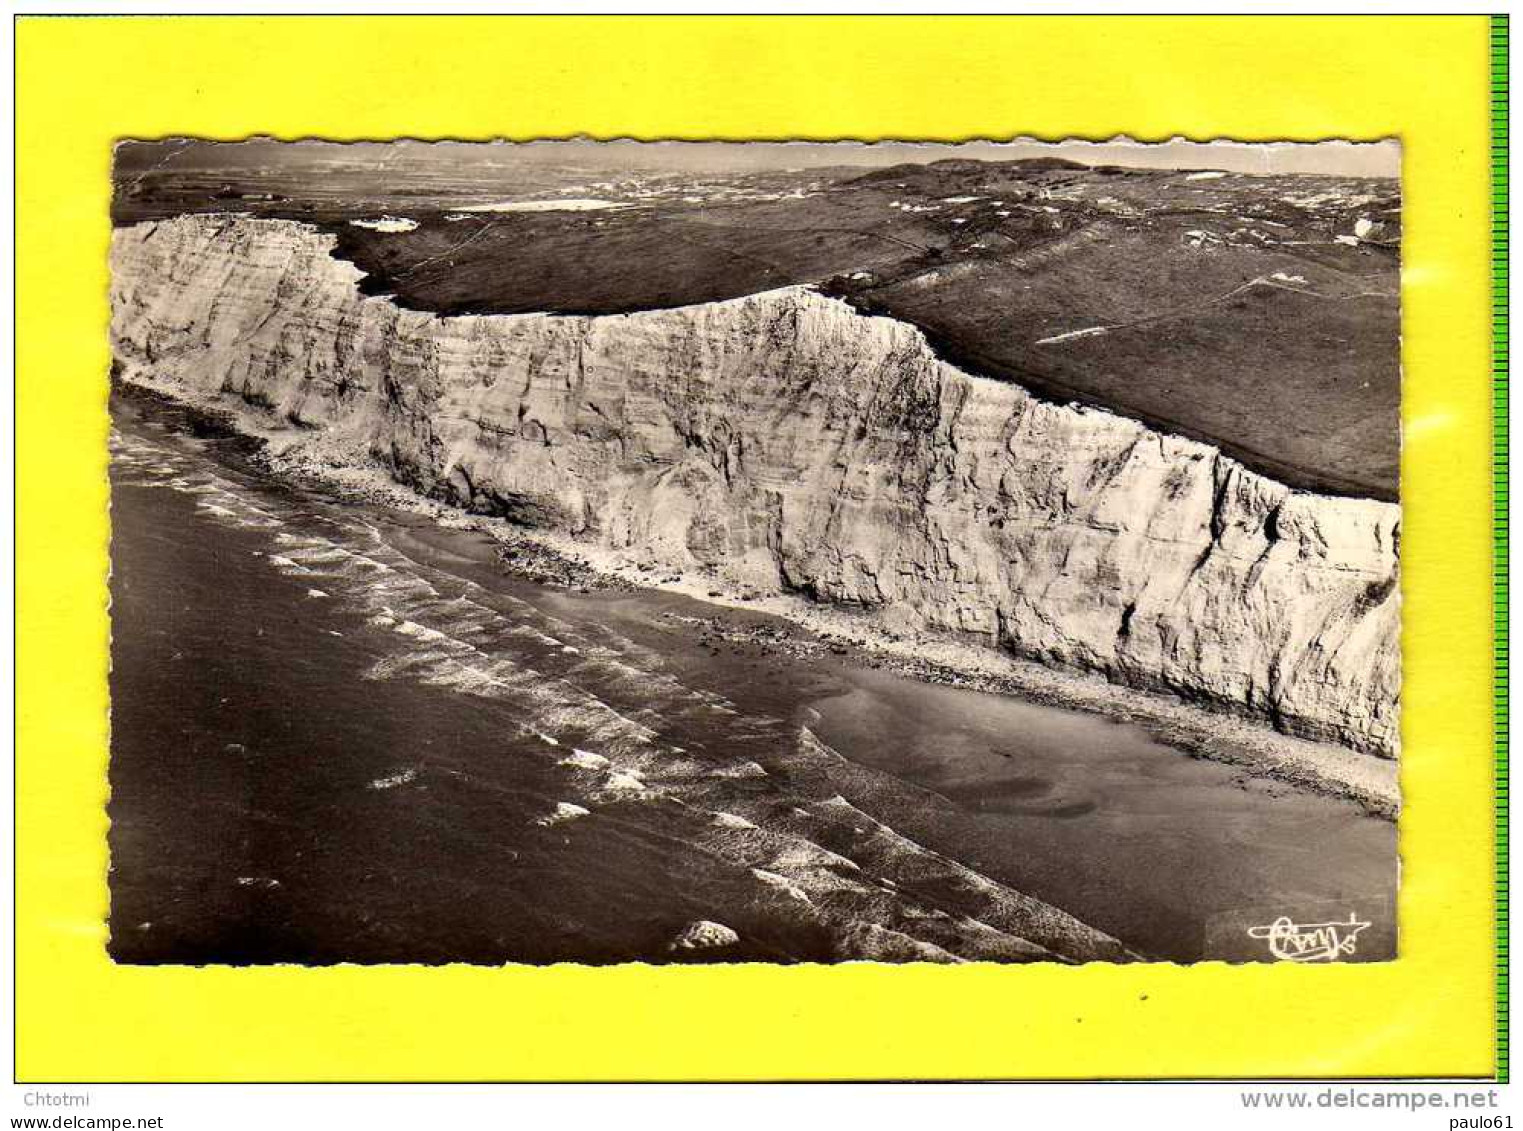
<point x="1364" y="779"/>
<point x="554" y="559"/>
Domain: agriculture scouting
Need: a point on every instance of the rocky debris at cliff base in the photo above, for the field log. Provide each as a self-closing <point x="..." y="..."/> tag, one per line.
<point x="775" y="637"/>
<point x="703" y="934"/>
<point x="534" y="561"/>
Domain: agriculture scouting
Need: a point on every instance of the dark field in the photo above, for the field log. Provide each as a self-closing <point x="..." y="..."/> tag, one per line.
<point x="1257" y="313"/>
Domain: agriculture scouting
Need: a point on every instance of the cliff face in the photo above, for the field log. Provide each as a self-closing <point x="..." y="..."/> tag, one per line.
<point x="788" y="443"/>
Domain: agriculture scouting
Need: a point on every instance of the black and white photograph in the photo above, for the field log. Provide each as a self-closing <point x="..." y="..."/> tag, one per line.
<point x="626" y="551"/>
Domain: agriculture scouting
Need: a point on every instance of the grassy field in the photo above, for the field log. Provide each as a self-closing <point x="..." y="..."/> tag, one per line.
<point x="1258" y="313"/>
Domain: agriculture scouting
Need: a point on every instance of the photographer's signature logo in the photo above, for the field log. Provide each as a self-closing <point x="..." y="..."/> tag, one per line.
<point x="1310" y="942"/>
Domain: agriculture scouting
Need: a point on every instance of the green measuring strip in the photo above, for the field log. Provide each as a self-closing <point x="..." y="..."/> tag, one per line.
<point x="1499" y="433"/>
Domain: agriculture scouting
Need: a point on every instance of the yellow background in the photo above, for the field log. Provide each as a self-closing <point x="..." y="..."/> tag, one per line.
<point x="84" y="82"/>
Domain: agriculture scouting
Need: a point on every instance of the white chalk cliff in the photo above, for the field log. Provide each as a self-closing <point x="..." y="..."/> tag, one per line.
<point x="789" y="443"/>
